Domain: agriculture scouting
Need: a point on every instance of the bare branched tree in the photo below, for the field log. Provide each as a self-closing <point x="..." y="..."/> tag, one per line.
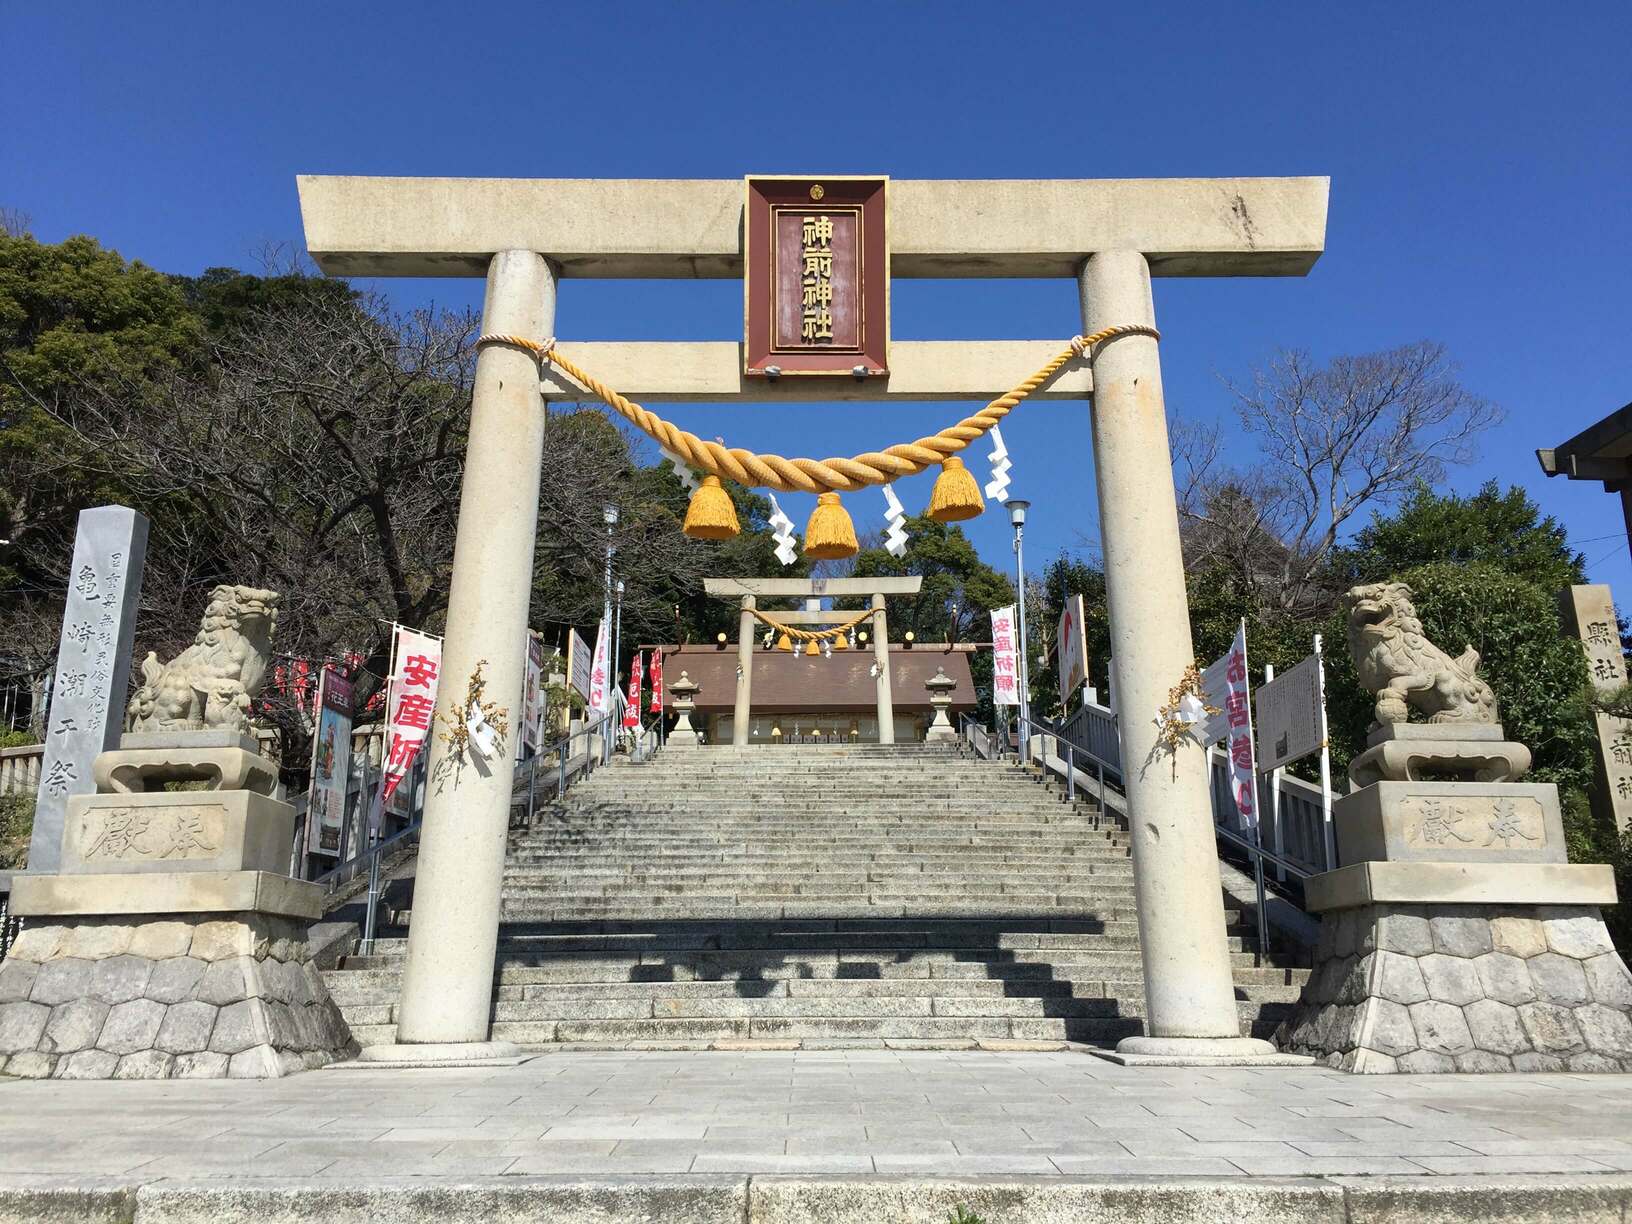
<point x="1336" y="440"/>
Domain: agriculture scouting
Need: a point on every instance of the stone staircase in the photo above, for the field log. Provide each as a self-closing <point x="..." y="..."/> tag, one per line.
<point x="814" y="894"/>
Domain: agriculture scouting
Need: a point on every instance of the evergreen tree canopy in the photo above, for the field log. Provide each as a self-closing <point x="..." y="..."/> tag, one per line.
<point x="1504" y="530"/>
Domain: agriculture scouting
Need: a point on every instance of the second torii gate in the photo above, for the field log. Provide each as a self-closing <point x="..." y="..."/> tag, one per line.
<point x="753" y="589"/>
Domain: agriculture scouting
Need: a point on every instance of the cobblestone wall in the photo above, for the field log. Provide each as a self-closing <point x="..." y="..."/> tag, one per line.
<point x="184" y="996"/>
<point x="1464" y="988"/>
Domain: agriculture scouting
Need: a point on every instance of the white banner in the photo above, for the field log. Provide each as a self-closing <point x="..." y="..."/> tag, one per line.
<point x="1005" y="658"/>
<point x="410" y="703"/>
<point x="600" y="682"/>
<point x="1073" y="648"/>
<point x="1224" y="685"/>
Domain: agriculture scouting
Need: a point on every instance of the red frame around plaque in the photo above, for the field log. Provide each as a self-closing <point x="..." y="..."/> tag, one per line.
<point x="858" y="248"/>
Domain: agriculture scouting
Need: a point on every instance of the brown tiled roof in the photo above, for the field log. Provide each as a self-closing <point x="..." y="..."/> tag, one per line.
<point x="784" y="681"/>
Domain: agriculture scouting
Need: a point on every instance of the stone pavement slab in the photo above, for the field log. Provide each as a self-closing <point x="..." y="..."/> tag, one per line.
<point x="1032" y="1133"/>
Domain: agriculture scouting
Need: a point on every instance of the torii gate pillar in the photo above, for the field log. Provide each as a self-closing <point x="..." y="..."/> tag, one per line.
<point x="745" y="674"/>
<point x="1189" y="988"/>
<point x="447" y="988"/>
<point x="881" y="653"/>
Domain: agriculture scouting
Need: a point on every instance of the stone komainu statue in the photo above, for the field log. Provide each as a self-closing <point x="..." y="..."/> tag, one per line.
<point x="209" y="685"/>
<point x="1400" y="665"/>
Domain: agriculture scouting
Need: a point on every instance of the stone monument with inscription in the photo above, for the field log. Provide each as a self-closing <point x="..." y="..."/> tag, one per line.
<point x="1456" y="936"/>
<point x="169" y="941"/>
<point x="93" y="667"/>
<point x="1589" y="613"/>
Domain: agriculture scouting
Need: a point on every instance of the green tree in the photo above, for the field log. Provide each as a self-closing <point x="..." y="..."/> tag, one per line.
<point x="72" y="316"/>
<point x="1504" y="530"/>
<point x="958" y="594"/>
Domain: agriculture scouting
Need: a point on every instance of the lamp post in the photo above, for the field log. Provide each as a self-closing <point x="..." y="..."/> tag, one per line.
<point x="1017" y="516"/>
<point x="609" y="515"/>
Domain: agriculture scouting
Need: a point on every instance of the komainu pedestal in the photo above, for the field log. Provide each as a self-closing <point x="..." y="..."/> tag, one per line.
<point x="166" y="995"/>
<point x="1457" y="936"/>
<point x="170" y="943"/>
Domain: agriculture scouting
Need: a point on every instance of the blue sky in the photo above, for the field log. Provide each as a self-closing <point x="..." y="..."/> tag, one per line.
<point x="1480" y="159"/>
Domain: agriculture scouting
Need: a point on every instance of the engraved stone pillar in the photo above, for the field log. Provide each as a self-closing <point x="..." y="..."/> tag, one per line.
<point x="746" y="633"/>
<point x="447" y="990"/>
<point x="93" y="667"/>
<point x="881" y="653"/>
<point x="1189" y="991"/>
<point x="1589" y="613"/>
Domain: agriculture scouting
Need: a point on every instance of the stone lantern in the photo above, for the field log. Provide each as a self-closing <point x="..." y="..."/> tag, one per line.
<point x="941" y="730"/>
<point x="684" y="692"/>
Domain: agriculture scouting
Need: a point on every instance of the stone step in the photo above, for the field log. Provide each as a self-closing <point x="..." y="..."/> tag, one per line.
<point x="770" y="965"/>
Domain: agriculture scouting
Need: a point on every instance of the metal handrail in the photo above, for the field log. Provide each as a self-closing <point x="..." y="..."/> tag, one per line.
<point x="1256" y="853"/>
<point x="601" y="729"/>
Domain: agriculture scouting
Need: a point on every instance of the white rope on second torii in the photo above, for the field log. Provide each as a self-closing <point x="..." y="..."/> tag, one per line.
<point x="787" y="550"/>
<point x="997" y="489"/>
<point x="895" y="540"/>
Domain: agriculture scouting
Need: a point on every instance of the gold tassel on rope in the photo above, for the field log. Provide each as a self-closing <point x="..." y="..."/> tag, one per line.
<point x="813" y="647"/>
<point x="956" y="495"/>
<point x="784" y="642"/>
<point x="711" y="516"/>
<point x="830" y="536"/>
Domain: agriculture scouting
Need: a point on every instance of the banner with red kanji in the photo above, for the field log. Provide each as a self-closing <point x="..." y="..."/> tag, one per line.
<point x="655" y="682"/>
<point x="1224" y="686"/>
<point x="1005" y="658"/>
<point x="411" y="704"/>
<point x="631" y="713"/>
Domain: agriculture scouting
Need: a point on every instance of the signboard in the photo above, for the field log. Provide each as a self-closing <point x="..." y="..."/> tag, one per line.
<point x="92" y="677"/>
<point x="1589" y="612"/>
<point x="816" y="276"/>
<point x="1292" y="714"/>
<point x="532" y="696"/>
<point x="1005" y="658"/>
<point x="331" y="765"/>
<point x="410" y="708"/>
<point x="1073" y="648"/>
<point x="1224" y="686"/>
<point x="579" y="663"/>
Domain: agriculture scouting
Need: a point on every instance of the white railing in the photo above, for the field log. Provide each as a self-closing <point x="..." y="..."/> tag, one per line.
<point x="20" y="769"/>
<point x="1294" y="825"/>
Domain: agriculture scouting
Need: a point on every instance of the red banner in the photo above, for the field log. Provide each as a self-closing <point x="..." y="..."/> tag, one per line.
<point x="656" y="682"/>
<point x="631" y="713"/>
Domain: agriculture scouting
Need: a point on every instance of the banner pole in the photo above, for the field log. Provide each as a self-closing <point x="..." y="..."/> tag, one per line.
<point x="1325" y="765"/>
<point x="1275" y="776"/>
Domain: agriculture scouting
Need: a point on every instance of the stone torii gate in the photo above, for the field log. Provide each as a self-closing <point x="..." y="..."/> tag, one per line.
<point x="1111" y="236"/>
<point x="752" y="589"/>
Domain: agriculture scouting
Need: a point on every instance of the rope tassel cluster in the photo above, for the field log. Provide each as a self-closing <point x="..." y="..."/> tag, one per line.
<point x="829" y="534"/>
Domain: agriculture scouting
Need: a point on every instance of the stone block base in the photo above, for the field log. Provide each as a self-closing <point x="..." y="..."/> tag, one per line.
<point x="1402" y="988"/>
<point x="184" y="996"/>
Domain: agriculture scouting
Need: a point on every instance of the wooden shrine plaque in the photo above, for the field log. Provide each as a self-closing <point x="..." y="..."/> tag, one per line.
<point x="816" y="276"/>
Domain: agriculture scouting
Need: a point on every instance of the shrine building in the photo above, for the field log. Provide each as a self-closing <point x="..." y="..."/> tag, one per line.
<point x="800" y="698"/>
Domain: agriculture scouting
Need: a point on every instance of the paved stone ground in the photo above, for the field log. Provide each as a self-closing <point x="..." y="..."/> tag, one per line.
<point x="867" y="1112"/>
